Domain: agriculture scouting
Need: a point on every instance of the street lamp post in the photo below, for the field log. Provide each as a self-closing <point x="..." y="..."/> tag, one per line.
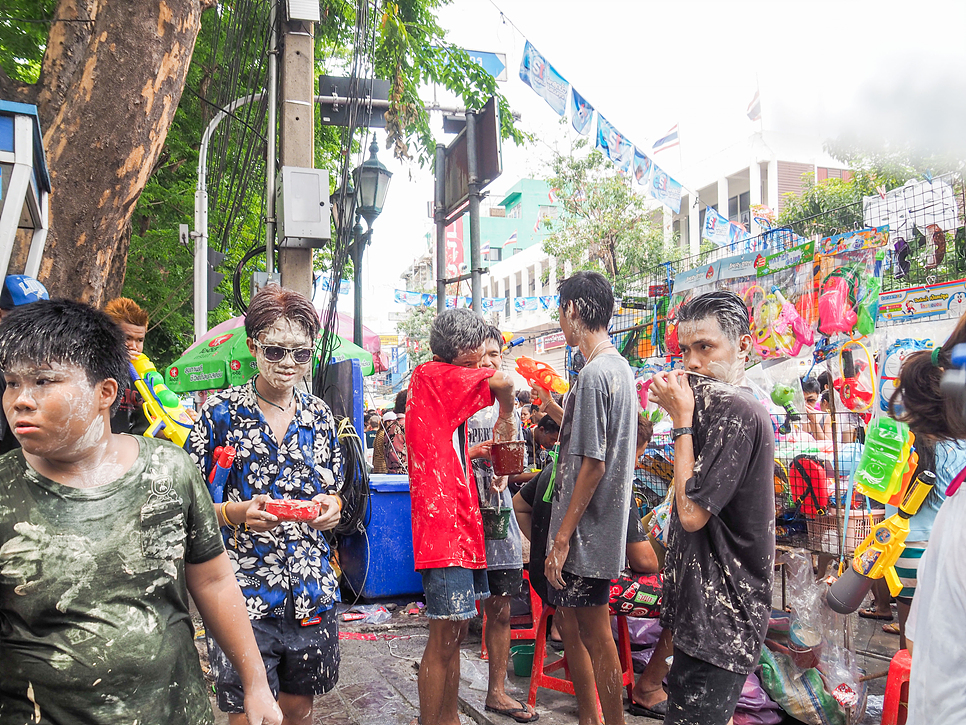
<point x="371" y="179"/>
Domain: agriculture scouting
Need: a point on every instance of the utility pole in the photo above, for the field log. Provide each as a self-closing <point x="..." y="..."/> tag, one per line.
<point x="298" y="133"/>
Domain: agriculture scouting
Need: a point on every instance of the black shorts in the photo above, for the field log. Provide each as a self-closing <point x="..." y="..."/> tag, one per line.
<point x="579" y="591"/>
<point x="505" y="582"/>
<point x="699" y="693"/>
<point x="298" y="660"/>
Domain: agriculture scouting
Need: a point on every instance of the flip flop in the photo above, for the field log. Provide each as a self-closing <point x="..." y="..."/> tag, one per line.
<point x="891" y="628"/>
<point x="871" y="613"/>
<point x="658" y="712"/>
<point x="520" y="714"/>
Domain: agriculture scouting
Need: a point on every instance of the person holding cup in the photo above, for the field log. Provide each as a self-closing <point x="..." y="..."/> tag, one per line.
<point x="286" y="448"/>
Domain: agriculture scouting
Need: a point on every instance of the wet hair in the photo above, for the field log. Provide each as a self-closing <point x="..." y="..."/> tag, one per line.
<point x="493" y="333"/>
<point x="456" y="331"/>
<point x="523" y="397"/>
<point x="826" y="397"/>
<point x="69" y="333"/>
<point x="593" y="298"/>
<point x="400" y="405"/>
<point x="645" y="429"/>
<point x="925" y="407"/>
<point x="811" y="385"/>
<point x="274" y="303"/>
<point x="548" y="425"/>
<point x="724" y="306"/>
<point x="127" y="311"/>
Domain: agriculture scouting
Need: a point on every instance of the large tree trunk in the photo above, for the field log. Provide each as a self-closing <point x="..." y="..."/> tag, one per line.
<point x="107" y="95"/>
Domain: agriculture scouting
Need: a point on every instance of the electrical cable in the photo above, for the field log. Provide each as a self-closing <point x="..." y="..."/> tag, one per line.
<point x="236" y="278"/>
<point x="355" y="493"/>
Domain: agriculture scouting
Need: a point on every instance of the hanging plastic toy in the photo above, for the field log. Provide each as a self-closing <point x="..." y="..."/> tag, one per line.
<point x="836" y="302"/>
<point x="777" y="328"/>
<point x="852" y="389"/>
<point x="784" y="395"/>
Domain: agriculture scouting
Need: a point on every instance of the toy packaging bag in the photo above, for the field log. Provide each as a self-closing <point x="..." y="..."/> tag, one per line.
<point x="780" y="300"/>
<point x="895" y="355"/>
<point x="687" y="286"/>
<point x="851" y="278"/>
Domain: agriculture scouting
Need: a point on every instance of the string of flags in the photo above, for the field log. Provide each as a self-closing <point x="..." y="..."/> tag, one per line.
<point x="490" y="304"/>
<point x="547" y="83"/>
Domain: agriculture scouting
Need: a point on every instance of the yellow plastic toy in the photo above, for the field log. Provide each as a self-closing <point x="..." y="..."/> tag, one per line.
<point x="167" y="417"/>
<point x="876" y="556"/>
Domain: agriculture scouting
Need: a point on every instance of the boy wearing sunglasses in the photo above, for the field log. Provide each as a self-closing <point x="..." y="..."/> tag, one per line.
<point x="287" y="448"/>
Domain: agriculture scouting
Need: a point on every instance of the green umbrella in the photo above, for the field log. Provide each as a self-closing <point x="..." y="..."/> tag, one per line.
<point x="222" y="359"/>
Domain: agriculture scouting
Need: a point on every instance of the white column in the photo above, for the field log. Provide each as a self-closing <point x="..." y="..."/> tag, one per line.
<point x="773" y="199"/>
<point x="694" y="227"/>
<point x="754" y="181"/>
<point x="723" y="197"/>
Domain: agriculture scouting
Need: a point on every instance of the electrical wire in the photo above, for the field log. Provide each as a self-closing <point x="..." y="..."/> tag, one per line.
<point x="356" y="511"/>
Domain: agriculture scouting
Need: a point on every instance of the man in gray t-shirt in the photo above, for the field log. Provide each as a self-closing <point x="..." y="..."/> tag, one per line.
<point x="591" y="494"/>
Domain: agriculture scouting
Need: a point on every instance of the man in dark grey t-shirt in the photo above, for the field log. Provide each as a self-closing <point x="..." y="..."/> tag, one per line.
<point x="721" y="537"/>
<point x="591" y="496"/>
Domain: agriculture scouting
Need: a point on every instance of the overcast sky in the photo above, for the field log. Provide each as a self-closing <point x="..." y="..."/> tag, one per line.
<point x="823" y="68"/>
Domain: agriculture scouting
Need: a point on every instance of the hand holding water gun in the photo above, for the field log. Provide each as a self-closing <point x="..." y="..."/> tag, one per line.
<point x="540" y="374"/>
<point x="166" y="415"/>
<point x="876" y="556"/>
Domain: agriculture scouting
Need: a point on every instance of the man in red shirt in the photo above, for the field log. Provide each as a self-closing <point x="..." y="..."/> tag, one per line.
<point x="448" y="541"/>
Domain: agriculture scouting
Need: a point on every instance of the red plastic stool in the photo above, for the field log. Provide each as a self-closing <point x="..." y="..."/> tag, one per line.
<point x="540" y="675"/>
<point x="529" y="621"/>
<point x="896" y="701"/>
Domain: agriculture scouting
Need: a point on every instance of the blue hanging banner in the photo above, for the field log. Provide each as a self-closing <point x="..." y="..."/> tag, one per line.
<point x="642" y="167"/>
<point x="581" y="113"/>
<point x="537" y="73"/>
<point x="614" y="144"/>
<point x="665" y="189"/>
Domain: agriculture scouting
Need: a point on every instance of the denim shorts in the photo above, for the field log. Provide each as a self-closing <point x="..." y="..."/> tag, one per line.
<point x="452" y="592"/>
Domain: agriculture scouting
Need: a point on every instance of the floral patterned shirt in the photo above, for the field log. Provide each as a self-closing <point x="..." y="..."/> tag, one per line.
<point x="292" y="558"/>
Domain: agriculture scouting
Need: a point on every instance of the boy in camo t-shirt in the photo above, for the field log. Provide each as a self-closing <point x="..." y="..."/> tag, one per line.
<point x="102" y="536"/>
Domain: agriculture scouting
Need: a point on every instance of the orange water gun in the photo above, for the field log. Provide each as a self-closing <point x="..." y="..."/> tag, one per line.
<point x="540" y="374"/>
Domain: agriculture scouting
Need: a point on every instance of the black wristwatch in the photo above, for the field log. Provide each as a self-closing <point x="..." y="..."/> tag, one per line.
<point x="678" y="432"/>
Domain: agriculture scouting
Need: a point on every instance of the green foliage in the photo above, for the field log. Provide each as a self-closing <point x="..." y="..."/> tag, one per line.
<point x="604" y="225"/>
<point x="833" y="206"/>
<point x="415" y="326"/>
<point x="22" y="43"/>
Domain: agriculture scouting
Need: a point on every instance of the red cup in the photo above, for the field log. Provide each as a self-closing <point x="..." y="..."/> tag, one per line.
<point x="290" y="509"/>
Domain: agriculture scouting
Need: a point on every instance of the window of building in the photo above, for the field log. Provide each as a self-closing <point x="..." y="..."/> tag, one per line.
<point x="739" y="208"/>
<point x="531" y="282"/>
<point x="514" y="212"/>
<point x="494" y="255"/>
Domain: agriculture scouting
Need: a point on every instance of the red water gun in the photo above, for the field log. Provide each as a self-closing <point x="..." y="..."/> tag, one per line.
<point x="855" y="397"/>
<point x="223" y="457"/>
<point x="540" y="374"/>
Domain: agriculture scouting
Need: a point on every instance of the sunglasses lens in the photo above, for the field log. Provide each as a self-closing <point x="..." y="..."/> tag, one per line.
<point x="302" y="355"/>
<point x="273" y="353"/>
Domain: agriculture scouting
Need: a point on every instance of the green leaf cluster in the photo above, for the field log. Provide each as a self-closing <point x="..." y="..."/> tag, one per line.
<point x="24" y="27"/>
<point x="415" y="326"/>
<point x="605" y="225"/>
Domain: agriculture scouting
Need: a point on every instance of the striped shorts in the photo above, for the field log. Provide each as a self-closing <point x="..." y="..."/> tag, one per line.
<point x="907" y="568"/>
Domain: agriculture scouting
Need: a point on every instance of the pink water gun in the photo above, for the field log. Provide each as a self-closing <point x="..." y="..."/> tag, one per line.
<point x="789" y="318"/>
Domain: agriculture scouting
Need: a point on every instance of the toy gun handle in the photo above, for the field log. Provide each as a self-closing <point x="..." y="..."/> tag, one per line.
<point x="892" y="579"/>
<point x="223" y="457"/>
<point x="163" y="409"/>
<point x="848" y="364"/>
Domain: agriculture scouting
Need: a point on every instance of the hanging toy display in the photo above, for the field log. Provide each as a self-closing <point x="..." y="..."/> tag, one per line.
<point x="851" y="274"/>
<point x="779" y="330"/>
<point x="895" y="356"/>
<point x="856" y="383"/>
<point x="836" y="302"/>
<point x="784" y="395"/>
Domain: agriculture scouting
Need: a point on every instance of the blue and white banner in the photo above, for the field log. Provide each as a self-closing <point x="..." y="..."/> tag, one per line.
<point x="642" y="167"/>
<point x="427" y="299"/>
<point x="665" y="189"/>
<point x="532" y="304"/>
<point x="343" y="285"/>
<point x="716" y="227"/>
<point x="581" y="113"/>
<point x="614" y="144"/>
<point x="537" y="73"/>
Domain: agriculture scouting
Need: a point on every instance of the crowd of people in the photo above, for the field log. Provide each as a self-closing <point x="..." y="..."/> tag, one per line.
<point x="104" y="532"/>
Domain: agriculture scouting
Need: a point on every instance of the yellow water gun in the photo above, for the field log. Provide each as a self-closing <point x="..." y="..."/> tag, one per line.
<point x="876" y="556"/>
<point x="167" y="417"/>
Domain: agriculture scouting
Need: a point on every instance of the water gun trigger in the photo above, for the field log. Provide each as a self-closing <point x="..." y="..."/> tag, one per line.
<point x="892" y="579"/>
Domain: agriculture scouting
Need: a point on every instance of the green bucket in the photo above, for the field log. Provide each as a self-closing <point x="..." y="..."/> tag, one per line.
<point x="522" y="657"/>
<point x="496" y="522"/>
